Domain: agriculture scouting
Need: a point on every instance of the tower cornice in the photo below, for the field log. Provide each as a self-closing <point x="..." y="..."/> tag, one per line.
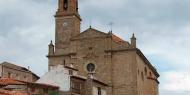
<point x="59" y="14"/>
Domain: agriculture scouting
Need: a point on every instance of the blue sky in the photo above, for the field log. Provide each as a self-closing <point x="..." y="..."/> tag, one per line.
<point x="162" y="28"/>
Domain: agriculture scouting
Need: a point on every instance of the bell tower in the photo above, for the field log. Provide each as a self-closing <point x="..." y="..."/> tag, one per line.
<point x="67" y="21"/>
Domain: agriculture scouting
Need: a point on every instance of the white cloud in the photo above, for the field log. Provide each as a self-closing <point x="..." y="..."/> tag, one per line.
<point x="162" y="28"/>
<point x="26" y="30"/>
<point x="176" y="82"/>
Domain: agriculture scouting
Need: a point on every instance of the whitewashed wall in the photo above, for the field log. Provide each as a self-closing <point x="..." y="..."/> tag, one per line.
<point x="95" y="91"/>
<point x="58" y="76"/>
<point x="104" y="92"/>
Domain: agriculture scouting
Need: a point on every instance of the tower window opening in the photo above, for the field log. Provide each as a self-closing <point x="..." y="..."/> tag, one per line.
<point x="65" y="4"/>
<point x="77" y="5"/>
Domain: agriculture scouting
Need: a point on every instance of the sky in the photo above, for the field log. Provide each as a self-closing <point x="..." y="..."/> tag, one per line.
<point x="162" y="29"/>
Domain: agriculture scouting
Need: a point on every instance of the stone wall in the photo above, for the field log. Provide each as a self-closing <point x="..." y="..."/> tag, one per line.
<point x="145" y="76"/>
<point x="17" y="74"/>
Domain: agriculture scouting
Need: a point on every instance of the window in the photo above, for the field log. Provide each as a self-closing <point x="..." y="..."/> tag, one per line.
<point x="33" y="89"/>
<point x="90" y="67"/>
<point x="65" y="4"/>
<point x="99" y="91"/>
<point x="9" y="75"/>
<point x="77" y="5"/>
<point x="76" y="87"/>
<point x="90" y="48"/>
<point x="150" y="74"/>
<point x="70" y="72"/>
<point x="64" y="62"/>
<point x="16" y="75"/>
<point x="45" y="90"/>
<point x="142" y="76"/>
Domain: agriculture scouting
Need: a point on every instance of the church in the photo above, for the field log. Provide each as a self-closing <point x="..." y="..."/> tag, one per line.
<point x="116" y="64"/>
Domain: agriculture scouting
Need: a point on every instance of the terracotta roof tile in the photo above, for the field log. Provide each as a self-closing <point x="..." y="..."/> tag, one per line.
<point x="117" y="39"/>
<point x="45" y="85"/>
<point x="7" y="92"/>
<point x="6" y="81"/>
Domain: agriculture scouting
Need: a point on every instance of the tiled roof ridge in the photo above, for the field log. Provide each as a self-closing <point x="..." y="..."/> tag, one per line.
<point x="8" y="81"/>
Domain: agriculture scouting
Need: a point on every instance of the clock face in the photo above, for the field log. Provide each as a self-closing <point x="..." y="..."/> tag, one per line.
<point x="65" y="24"/>
<point x="90" y="67"/>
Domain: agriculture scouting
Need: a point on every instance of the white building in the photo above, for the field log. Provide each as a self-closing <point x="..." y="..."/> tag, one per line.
<point x="70" y="82"/>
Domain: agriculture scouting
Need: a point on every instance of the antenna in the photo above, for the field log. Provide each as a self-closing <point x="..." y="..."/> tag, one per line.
<point x="111" y="25"/>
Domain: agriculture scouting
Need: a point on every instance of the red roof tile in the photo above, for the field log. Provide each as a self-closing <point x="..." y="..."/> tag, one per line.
<point x="117" y="39"/>
<point x="7" y="92"/>
<point x="6" y="81"/>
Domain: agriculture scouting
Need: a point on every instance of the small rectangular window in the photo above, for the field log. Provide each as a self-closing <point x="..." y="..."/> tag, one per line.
<point x="76" y="87"/>
<point x="99" y="91"/>
<point x="70" y="72"/>
<point x="9" y="75"/>
<point x="45" y="90"/>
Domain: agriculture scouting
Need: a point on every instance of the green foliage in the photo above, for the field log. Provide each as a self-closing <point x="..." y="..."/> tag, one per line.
<point x="54" y="93"/>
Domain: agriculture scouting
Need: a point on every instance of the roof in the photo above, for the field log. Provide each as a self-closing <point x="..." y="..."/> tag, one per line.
<point x="7" y="92"/>
<point x="8" y="81"/>
<point x="90" y="33"/>
<point x="154" y="79"/>
<point x="16" y="67"/>
<point x="44" y="85"/>
<point x="71" y="68"/>
<point x="148" y="62"/>
<point x="13" y="66"/>
<point x="85" y="78"/>
<point x="115" y="38"/>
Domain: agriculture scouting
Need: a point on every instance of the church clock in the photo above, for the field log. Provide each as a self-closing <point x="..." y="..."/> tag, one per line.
<point x="67" y="23"/>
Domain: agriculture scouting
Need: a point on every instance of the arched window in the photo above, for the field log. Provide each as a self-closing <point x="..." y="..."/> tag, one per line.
<point x="142" y="76"/>
<point x="65" y="4"/>
<point x="150" y="74"/>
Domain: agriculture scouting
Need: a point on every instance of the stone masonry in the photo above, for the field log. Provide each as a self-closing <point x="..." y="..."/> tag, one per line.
<point x="119" y="63"/>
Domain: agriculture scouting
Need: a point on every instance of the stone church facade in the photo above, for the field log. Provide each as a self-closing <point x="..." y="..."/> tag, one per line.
<point x="118" y="63"/>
